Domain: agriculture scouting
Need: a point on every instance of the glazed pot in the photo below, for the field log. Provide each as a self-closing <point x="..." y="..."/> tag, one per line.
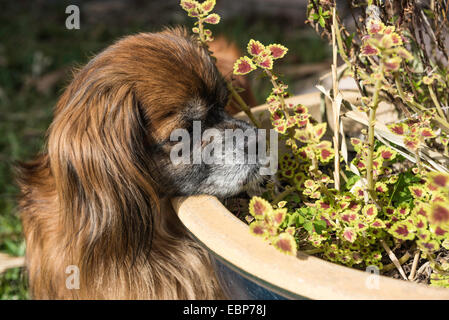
<point x="250" y="268"/>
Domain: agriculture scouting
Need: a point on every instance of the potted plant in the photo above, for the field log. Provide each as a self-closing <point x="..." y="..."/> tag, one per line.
<point x="373" y="200"/>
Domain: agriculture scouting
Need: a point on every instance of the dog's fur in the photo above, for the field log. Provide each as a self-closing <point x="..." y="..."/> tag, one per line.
<point x="97" y="198"/>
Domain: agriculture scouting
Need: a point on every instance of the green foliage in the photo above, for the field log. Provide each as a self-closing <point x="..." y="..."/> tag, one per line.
<point x="377" y="207"/>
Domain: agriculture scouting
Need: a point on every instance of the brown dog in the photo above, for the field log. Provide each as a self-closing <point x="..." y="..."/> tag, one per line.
<point x="97" y="198"/>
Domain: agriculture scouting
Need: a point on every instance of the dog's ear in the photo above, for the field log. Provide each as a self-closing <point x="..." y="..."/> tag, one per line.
<point x="98" y="155"/>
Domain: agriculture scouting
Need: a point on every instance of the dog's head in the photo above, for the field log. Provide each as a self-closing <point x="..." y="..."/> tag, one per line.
<point x="115" y="122"/>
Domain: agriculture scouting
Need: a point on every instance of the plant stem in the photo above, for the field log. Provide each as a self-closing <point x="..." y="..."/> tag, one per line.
<point x="416" y="107"/>
<point x="276" y="85"/>
<point x="335" y="107"/>
<point x="401" y="94"/>
<point x="242" y="105"/>
<point x="394" y="259"/>
<point x="371" y="125"/>
<point x="418" y="160"/>
<point x="435" y="102"/>
<point x="283" y="194"/>
<point x="414" y="265"/>
<point x="313" y="251"/>
<point x="401" y="260"/>
<point x="316" y="174"/>
<point x="201" y="31"/>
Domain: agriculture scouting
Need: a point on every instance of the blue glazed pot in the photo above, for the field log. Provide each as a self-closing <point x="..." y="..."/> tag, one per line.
<point x="239" y="285"/>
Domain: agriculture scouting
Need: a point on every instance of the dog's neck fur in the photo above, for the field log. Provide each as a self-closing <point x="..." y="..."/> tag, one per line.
<point x="51" y="249"/>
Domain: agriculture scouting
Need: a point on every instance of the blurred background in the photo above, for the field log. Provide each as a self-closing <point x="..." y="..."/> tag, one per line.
<point x="38" y="52"/>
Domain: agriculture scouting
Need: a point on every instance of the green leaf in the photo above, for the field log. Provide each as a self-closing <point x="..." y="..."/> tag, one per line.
<point x="352" y="179"/>
<point x="322" y="22"/>
<point x="300" y="220"/>
<point x="320" y="225"/>
<point x="348" y="40"/>
<point x="308" y="225"/>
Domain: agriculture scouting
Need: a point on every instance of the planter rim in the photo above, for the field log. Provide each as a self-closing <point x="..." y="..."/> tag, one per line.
<point x="223" y="234"/>
<point x="227" y="237"/>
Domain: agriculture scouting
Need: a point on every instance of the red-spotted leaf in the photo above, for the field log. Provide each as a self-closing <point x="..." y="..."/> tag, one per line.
<point x="189" y="5"/>
<point x="325" y="154"/>
<point x="360" y="226"/>
<point x="420" y="222"/>
<point x="208" y="6"/>
<point x="377" y="223"/>
<point x="322" y="204"/>
<point x="403" y="210"/>
<point x="411" y="142"/>
<point x="375" y="26"/>
<point x="288" y="173"/>
<point x="280" y="127"/>
<point x="278" y="216"/>
<point x="389" y="211"/>
<point x="369" y="49"/>
<point x="354" y="207"/>
<point x="259" y="228"/>
<point x="441" y="233"/>
<point x="348" y="216"/>
<point x="319" y="130"/>
<point x="302" y="135"/>
<point x="370" y="212"/>
<point x="381" y="187"/>
<point x="423" y="235"/>
<point x="428" y="246"/>
<point x="359" y="193"/>
<point x="244" y="65"/>
<point x="397" y="40"/>
<point x="402" y="230"/>
<point x="357" y="143"/>
<point x="422" y="209"/>
<point x="417" y="191"/>
<point x="386" y="153"/>
<point x="310" y="184"/>
<point x="349" y="234"/>
<point x="255" y="48"/>
<point x="212" y="19"/>
<point x="277" y="51"/>
<point x="439" y="213"/>
<point x="399" y="128"/>
<point x="300" y="109"/>
<point x="393" y="64"/>
<point x="427" y="133"/>
<point x="440" y="180"/>
<point x="285" y="243"/>
<point x="315" y="195"/>
<point x="389" y="29"/>
<point x="282" y="204"/>
<point x="259" y="208"/>
<point x="265" y="62"/>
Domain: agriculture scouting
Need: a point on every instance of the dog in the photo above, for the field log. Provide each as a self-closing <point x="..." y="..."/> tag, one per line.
<point x="97" y="198"/>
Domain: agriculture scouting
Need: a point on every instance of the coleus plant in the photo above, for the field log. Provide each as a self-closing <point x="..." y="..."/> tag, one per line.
<point x="383" y="210"/>
<point x="202" y="12"/>
<point x="377" y="208"/>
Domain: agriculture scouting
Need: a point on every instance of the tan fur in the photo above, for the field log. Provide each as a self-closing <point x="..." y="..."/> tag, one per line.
<point x="93" y="200"/>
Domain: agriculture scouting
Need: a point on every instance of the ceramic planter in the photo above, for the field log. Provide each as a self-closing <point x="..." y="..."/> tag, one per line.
<point x="249" y="268"/>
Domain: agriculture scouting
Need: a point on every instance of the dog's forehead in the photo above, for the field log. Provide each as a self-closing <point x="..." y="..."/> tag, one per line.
<point x="179" y="82"/>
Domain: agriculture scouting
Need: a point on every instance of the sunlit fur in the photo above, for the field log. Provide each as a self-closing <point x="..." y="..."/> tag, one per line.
<point x="97" y="197"/>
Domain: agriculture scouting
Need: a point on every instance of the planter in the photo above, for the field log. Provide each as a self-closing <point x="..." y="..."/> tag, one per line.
<point x="249" y="268"/>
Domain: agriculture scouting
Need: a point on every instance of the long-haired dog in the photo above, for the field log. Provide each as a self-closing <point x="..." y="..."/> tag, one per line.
<point x="97" y="197"/>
